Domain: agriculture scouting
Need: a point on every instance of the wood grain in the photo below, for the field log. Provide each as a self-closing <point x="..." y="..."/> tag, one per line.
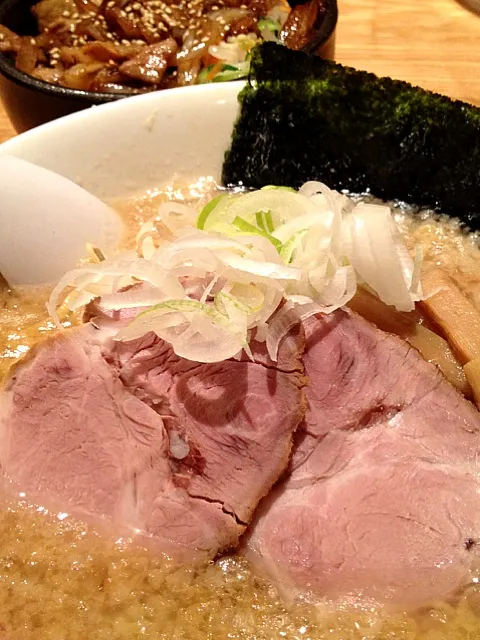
<point x="432" y="43"/>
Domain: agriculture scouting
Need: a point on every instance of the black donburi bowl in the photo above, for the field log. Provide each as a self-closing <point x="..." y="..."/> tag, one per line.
<point x="30" y="102"/>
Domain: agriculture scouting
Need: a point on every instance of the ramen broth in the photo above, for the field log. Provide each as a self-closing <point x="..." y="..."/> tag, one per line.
<point x="61" y="580"/>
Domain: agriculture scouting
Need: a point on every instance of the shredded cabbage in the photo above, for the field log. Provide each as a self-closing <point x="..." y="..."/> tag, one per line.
<point x="205" y="282"/>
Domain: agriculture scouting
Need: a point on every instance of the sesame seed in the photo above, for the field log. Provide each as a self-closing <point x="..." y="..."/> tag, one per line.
<point x="32" y="40"/>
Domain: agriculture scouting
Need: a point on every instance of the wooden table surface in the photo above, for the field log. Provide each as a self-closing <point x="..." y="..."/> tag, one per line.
<point x="432" y="43"/>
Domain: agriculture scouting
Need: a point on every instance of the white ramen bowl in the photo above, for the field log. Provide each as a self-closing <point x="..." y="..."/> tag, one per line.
<point x="118" y="150"/>
<point x="121" y="148"/>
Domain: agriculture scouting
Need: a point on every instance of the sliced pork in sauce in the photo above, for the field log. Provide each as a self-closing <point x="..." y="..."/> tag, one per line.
<point x="383" y="495"/>
<point x="168" y="449"/>
<point x="380" y="495"/>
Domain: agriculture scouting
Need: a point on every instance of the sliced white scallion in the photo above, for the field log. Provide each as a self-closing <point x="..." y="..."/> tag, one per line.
<point x="108" y="277"/>
<point x="195" y="330"/>
<point x="207" y="282"/>
<point x="379" y="256"/>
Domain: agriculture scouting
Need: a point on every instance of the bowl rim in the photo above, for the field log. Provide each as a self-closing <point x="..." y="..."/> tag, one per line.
<point x="327" y="28"/>
<point x="32" y="137"/>
<point x="7" y="69"/>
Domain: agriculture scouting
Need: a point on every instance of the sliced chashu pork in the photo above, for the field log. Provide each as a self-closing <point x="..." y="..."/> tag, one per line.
<point x="173" y="451"/>
<point x="383" y="495"/>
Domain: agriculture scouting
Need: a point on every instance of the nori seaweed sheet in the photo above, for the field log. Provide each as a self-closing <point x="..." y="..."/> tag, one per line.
<point x="305" y="118"/>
